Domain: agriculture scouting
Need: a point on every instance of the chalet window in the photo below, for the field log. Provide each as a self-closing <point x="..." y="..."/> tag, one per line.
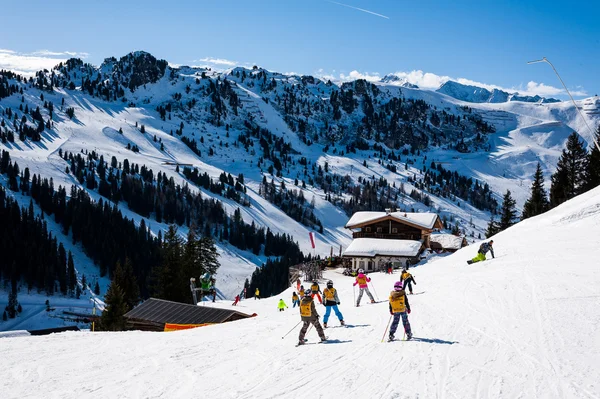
<point x="380" y="230"/>
<point x="361" y="264"/>
<point x="368" y="229"/>
<point x="395" y="230"/>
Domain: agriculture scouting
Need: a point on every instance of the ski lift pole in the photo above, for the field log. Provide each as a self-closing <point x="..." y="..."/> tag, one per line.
<point x="386" y="328"/>
<point x="293" y="328"/>
<point x="375" y="292"/>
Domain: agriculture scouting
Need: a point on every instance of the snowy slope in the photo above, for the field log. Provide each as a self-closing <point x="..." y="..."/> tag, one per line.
<point x="522" y="325"/>
<point x="525" y="134"/>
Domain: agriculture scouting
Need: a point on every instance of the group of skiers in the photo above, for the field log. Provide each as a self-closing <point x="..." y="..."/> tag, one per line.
<point x="398" y="304"/>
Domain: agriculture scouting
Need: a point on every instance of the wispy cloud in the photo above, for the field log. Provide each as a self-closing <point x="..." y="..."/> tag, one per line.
<point x="29" y="63"/>
<point x="217" y="61"/>
<point x="358" y="9"/>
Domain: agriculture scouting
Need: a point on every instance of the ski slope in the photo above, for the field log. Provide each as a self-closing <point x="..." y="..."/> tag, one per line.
<point x="522" y="325"/>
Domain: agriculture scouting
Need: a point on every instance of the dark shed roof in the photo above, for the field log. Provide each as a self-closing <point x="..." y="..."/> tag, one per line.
<point x="161" y="311"/>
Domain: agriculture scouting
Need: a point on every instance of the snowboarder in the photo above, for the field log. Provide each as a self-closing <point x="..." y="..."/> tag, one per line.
<point x="399" y="307"/>
<point x="309" y="315"/>
<point x="408" y="280"/>
<point x="316" y="290"/>
<point x="295" y="300"/>
<point x="331" y="301"/>
<point x="362" y="281"/>
<point x="256" y="294"/>
<point x="237" y="299"/>
<point x="281" y="305"/>
<point x="483" y="249"/>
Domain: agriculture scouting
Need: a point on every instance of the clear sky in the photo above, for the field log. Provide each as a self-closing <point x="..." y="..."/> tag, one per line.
<point x="482" y="41"/>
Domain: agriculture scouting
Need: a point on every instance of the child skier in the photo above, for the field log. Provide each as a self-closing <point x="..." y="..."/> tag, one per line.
<point x="362" y="281"/>
<point x="309" y="315"/>
<point x="331" y="301"/>
<point x="483" y="249"/>
<point x="281" y="305"/>
<point x="408" y="279"/>
<point x="295" y="300"/>
<point x="301" y="291"/>
<point x="316" y="290"/>
<point x="256" y="294"/>
<point x="237" y="299"/>
<point x="399" y="307"/>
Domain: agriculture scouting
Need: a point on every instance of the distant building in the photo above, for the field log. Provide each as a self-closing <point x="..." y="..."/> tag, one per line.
<point x="383" y="237"/>
<point x="446" y="242"/>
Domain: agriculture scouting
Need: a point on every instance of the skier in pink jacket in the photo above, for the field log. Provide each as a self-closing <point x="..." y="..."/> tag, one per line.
<point x="362" y="281"/>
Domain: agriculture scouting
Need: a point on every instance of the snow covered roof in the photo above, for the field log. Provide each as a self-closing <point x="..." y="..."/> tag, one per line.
<point x="447" y="241"/>
<point x="371" y="247"/>
<point x="424" y="220"/>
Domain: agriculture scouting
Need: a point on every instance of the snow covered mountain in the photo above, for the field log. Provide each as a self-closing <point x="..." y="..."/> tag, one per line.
<point x="521" y="325"/>
<point x="334" y="144"/>
<point x="476" y="94"/>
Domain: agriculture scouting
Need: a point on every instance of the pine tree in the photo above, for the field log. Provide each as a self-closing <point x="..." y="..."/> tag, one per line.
<point x="508" y="213"/>
<point x="125" y="279"/>
<point x="97" y="289"/>
<point x="208" y="251"/>
<point x="492" y="228"/>
<point x="538" y="201"/>
<point x="569" y="179"/>
<point x="112" y="316"/>
<point x="169" y="275"/>
<point x="72" y="277"/>
<point x="4" y="316"/>
<point x="592" y="176"/>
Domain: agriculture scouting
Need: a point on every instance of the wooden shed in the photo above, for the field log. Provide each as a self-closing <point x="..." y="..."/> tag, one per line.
<point x="161" y="315"/>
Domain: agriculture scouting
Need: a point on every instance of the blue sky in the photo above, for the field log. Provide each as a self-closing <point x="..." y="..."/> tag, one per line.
<point x="482" y="41"/>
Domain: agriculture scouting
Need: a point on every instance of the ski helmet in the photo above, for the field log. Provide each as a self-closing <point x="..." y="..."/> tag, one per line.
<point x="361" y="271"/>
<point x="330" y="284"/>
<point x="398" y="286"/>
<point x="307" y="293"/>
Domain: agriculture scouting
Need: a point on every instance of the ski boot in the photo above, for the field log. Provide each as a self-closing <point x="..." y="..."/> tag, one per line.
<point x="342" y="322"/>
<point x="324" y="325"/>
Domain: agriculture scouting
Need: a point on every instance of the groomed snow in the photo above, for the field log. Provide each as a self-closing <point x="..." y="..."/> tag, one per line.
<point x="522" y="325"/>
<point x="370" y="247"/>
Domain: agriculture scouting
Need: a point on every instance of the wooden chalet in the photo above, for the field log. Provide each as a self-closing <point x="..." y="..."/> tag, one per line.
<point x="161" y="315"/>
<point x="383" y="237"/>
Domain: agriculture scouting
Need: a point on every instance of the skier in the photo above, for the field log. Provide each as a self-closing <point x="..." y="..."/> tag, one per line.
<point x="301" y="291"/>
<point x="399" y="307"/>
<point x="309" y="315"/>
<point x="408" y="279"/>
<point x="316" y="290"/>
<point x="237" y="299"/>
<point x="256" y="294"/>
<point x="281" y="305"/>
<point x="362" y="281"/>
<point x="298" y="282"/>
<point x="483" y="249"/>
<point x="295" y="300"/>
<point x="331" y="301"/>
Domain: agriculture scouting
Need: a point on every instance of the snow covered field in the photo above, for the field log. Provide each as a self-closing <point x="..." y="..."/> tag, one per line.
<point x="522" y="325"/>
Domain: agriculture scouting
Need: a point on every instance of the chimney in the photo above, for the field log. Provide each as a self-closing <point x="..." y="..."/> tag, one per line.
<point x="387" y="211"/>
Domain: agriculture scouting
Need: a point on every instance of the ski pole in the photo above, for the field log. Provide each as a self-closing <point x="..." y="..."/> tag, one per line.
<point x="293" y="328"/>
<point x="354" y="294"/>
<point x="386" y="328"/>
<point x="373" y="286"/>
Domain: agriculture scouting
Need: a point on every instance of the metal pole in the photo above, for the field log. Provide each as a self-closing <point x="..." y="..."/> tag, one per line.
<point x="572" y="100"/>
<point x="386" y="328"/>
<point x="293" y="328"/>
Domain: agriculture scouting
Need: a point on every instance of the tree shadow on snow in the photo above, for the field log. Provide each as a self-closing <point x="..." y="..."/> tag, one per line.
<point x="434" y="341"/>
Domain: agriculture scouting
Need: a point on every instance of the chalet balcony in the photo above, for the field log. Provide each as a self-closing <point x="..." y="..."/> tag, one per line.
<point x="386" y="236"/>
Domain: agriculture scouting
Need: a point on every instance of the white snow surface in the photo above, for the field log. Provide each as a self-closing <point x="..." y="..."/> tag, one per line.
<point x="426" y="220"/>
<point x="370" y="247"/>
<point x="524" y="324"/>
